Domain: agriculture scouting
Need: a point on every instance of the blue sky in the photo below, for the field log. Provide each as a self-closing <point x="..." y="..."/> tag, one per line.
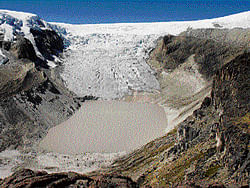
<point x="108" y="11"/>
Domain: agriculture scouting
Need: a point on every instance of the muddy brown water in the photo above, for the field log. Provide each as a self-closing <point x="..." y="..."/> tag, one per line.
<point x="107" y="126"/>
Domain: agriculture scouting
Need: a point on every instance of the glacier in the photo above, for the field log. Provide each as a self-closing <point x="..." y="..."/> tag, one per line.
<point x="109" y="60"/>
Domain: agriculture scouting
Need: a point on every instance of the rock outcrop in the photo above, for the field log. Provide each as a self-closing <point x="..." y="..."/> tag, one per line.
<point x="48" y="42"/>
<point x="29" y="178"/>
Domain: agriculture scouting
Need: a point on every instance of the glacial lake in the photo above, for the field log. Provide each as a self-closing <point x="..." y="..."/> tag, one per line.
<point x="107" y="126"/>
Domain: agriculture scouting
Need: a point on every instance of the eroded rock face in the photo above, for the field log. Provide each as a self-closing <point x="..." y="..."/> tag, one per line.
<point x="48" y="42"/>
<point x="231" y="87"/>
<point x="15" y="78"/>
<point x="5" y="44"/>
<point x="231" y="90"/>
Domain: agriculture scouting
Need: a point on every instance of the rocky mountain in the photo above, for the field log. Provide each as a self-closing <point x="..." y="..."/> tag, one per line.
<point x="209" y="149"/>
<point x="200" y="77"/>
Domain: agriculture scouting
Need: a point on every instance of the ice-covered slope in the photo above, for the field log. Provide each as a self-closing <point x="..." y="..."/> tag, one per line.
<point x="14" y="23"/>
<point x="109" y="60"/>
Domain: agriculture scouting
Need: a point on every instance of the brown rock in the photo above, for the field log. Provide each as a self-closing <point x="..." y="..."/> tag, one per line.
<point x="32" y="179"/>
<point x="23" y="48"/>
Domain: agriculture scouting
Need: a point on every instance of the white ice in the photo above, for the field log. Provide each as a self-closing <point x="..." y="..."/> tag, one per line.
<point x="109" y="60"/>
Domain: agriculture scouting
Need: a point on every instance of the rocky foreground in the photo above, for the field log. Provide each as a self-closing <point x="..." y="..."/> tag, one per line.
<point x="29" y="178"/>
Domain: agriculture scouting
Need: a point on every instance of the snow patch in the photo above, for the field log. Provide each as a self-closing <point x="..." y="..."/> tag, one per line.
<point x="1" y="53"/>
<point x="12" y="23"/>
<point x="8" y="160"/>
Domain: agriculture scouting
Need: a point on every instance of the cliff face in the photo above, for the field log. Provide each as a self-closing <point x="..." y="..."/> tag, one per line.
<point x="230" y="94"/>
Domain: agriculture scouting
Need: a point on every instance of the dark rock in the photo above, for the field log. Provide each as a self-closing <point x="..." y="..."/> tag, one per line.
<point x="23" y="48"/>
<point x="167" y="39"/>
<point x="29" y="178"/>
<point x="198" y="114"/>
<point x="48" y="42"/>
<point x="216" y="185"/>
<point x="231" y="87"/>
<point x="35" y="99"/>
<point x="186" y="133"/>
<point x="5" y="45"/>
<point x="206" y="102"/>
<point x="35" y="22"/>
